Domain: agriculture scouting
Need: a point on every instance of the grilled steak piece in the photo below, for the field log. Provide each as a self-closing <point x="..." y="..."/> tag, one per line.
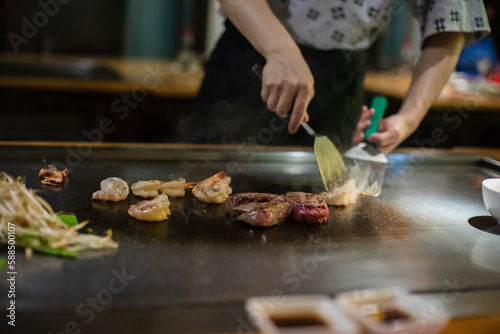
<point x="263" y="214"/>
<point x="246" y="198"/>
<point x="308" y="208"/>
<point x="258" y="209"/>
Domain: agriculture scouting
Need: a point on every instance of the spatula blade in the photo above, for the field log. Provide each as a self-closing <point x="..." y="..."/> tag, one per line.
<point x="364" y="151"/>
<point x="368" y="163"/>
<point x="330" y="163"/>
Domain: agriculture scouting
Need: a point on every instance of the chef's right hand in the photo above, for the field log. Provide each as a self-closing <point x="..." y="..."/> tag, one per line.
<point x="286" y="82"/>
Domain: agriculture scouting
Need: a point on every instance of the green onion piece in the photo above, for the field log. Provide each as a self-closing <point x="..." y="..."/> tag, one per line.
<point x="69" y="220"/>
<point x="34" y="242"/>
<point x="55" y="251"/>
<point x="2" y="262"/>
<point x="27" y="239"/>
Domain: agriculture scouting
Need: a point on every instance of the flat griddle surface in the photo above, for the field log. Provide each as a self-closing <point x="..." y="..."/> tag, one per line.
<point x="428" y="229"/>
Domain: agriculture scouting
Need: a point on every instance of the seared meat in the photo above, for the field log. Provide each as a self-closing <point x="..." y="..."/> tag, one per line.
<point x="258" y="209"/>
<point x="308" y="208"/>
<point x="246" y="198"/>
<point x="52" y="176"/>
<point x="263" y="214"/>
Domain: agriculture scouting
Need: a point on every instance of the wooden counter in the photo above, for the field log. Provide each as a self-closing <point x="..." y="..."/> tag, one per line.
<point x="175" y="83"/>
<point x="395" y="85"/>
<point x="171" y="81"/>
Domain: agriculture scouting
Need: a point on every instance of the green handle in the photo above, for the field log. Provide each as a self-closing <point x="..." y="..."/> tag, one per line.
<point x="379" y="103"/>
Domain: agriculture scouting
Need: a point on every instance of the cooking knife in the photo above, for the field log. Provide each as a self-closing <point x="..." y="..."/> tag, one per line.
<point x="331" y="165"/>
<point x="369" y="163"/>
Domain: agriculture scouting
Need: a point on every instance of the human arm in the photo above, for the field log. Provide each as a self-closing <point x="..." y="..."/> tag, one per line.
<point x="286" y="78"/>
<point x="439" y="57"/>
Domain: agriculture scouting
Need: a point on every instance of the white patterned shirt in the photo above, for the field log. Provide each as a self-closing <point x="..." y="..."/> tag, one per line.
<point x="355" y="24"/>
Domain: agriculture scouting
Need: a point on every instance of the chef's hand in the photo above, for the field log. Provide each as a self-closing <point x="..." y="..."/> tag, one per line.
<point x="437" y="61"/>
<point x="286" y="78"/>
<point x="392" y="131"/>
<point x="363" y="124"/>
<point x="286" y="82"/>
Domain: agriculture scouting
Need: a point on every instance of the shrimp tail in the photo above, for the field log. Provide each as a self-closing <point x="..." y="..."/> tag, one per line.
<point x="220" y="175"/>
<point x="211" y="180"/>
<point x="190" y="185"/>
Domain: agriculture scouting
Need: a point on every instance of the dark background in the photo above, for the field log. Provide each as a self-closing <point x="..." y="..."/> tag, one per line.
<point x="91" y="27"/>
<point x="97" y="27"/>
<point x="494" y="5"/>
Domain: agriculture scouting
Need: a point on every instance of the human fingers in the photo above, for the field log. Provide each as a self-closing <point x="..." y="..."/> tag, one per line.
<point x="357" y="138"/>
<point x="265" y="92"/>
<point x="286" y="99"/>
<point x="366" y="113"/>
<point x="363" y="125"/>
<point x="306" y="118"/>
<point x="383" y="139"/>
<point x="273" y="99"/>
<point x="304" y="96"/>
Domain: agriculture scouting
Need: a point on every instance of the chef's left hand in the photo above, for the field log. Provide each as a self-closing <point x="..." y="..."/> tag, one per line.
<point x="392" y="131"/>
<point x="363" y="124"/>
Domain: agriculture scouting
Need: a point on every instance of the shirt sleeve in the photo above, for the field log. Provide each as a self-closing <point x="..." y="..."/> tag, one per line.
<point x="437" y="16"/>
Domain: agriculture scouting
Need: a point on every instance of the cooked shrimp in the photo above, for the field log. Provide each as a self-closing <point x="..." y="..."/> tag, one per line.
<point x="215" y="189"/>
<point x="112" y="189"/>
<point x="173" y="188"/>
<point x="147" y="189"/>
<point x="154" y="210"/>
<point x="343" y="195"/>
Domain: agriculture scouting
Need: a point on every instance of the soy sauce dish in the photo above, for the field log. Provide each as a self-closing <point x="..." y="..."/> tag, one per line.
<point x="491" y="197"/>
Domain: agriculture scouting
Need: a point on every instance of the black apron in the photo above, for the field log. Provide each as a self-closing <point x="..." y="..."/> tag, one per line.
<point x="229" y="109"/>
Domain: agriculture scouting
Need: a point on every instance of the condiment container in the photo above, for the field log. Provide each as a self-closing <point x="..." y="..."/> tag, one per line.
<point x="307" y="314"/>
<point x="393" y="310"/>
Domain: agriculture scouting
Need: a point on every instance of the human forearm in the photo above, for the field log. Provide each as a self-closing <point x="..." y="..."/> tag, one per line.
<point x="286" y="80"/>
<point x="438" y="60"/>
<point x="256" y="21"/>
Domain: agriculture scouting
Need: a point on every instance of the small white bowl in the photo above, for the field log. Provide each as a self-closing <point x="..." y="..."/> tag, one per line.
<point x="417" y="314"/>
<point x="311" y="314"/>
<point x="491" y="196"/>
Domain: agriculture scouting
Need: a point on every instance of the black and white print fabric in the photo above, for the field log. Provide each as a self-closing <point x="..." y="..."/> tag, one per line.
<point x="355" y="24"/>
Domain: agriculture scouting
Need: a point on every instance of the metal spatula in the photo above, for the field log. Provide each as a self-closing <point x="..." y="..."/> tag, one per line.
<point x="330" y="162"/>
<point x="331" y="165"/>
<point x="369" y="163"/>
<point x="366" y="150"/>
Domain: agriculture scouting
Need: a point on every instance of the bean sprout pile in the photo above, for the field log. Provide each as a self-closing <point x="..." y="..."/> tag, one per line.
<point x="37" y="226"/>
